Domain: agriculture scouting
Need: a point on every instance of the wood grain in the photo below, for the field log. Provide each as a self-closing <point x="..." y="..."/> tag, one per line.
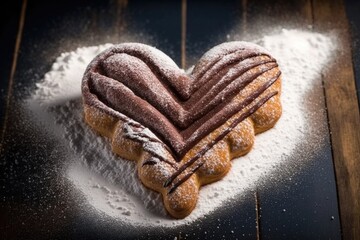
<point x="291" y="15"/>
<point x="343" y="114"/>
<point x="183" y="34"/>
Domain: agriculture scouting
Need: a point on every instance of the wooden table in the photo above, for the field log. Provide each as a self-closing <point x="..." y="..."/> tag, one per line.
<point x="35" y="204"/>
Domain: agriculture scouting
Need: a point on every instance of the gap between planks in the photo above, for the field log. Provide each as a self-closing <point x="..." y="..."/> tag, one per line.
<point x="13" y="70"/>
<point x="183" y="33"/>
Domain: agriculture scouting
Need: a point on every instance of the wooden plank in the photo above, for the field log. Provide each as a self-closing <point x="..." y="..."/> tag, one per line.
<point x="304" y="204"/>
<point x="209" y="24"/>
<point x="267" y="16"/>
<point x="352" y="11"/>
<point x="159" y="23"/>
<point x="343" y="114"/>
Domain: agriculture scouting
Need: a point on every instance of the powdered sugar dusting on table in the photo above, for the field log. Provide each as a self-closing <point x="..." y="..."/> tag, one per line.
<point x="111" y="185"/>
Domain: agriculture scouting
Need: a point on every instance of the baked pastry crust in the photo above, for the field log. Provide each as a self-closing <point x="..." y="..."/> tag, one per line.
<point x="198" y="123"/>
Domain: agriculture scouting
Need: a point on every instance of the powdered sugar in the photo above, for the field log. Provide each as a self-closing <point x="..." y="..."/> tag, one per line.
<point x="111" y="185"/>
<point x="144" y="135"/>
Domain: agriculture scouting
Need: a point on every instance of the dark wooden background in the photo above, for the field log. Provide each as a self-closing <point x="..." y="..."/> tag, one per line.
<point x="321" y="200"/>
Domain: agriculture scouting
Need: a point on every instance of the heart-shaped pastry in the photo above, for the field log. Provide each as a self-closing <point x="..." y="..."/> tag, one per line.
<point x="182" y="129"/>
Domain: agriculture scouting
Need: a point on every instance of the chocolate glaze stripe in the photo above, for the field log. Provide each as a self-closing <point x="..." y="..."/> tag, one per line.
<point x="173" y="110"/>
<point x="167" y="103"/>
<point x="100" y="84"/>
<point x="139" y="137"/>
<point x="161" y="158"/>
<point x="216" y="122"/>
<point x="175" y="79"/>
<point x="186" y="177"/>
<point x="136" y="125"/>
<point x="214" y="55"/>
<point x="247" y="101"/>
<point x="170" y="137"/>
<point x="149" y="163"/>
<point x="208" y="104"/>
<point x="226" y="60"/>
<point x="178" y="82"/>
<point x="144" y="82"/>
<point x="202" y="72"/>
<point x="133" y="124"/>
<point x="212" y="143"/>
<point x="222" y="78"/>
<point x="100" y="90"/>
<point x="155" y="140"/>
<point x="151" y="139"/>
<point x="135" y="108"/>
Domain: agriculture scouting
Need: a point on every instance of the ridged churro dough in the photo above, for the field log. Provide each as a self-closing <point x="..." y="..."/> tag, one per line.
<point x="182" y="129"/>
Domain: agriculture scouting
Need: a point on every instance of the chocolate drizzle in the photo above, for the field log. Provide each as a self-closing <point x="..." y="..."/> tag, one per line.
<point x="208" y="146"/>
<point x="144" y="88"/>
<point x="144" y="138"/>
